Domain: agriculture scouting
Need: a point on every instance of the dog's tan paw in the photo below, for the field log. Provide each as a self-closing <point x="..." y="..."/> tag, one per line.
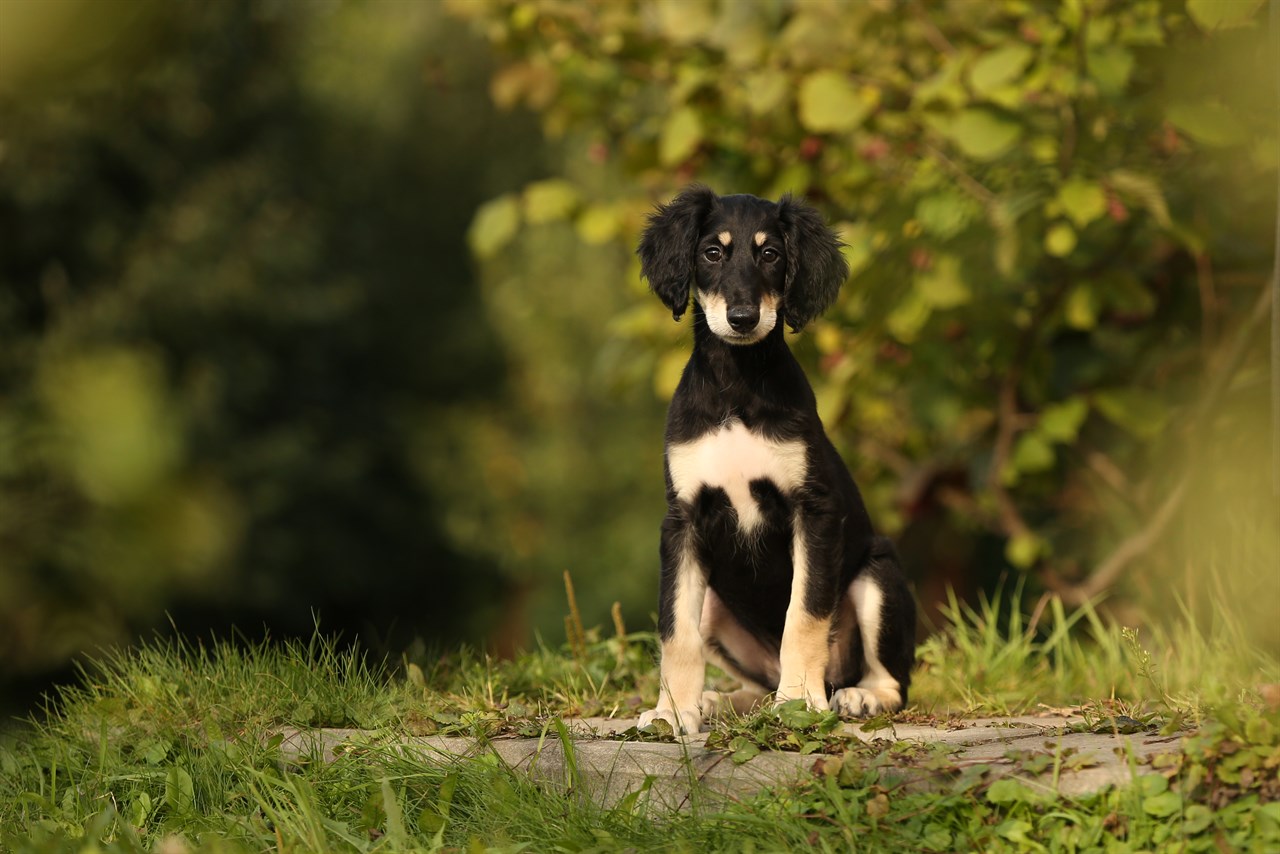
<point x="687" y="722"/>
<point x="864" y="702"/>
<point x="817" y="702"/>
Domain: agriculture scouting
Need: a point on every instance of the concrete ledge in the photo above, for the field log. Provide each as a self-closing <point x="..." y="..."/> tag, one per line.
<point x="674" y="775"/>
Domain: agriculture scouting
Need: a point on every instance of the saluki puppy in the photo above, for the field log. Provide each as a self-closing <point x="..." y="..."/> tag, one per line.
<point x="770" y="566"/>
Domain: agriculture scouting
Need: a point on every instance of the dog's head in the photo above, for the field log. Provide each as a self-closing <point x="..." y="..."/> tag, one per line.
<point x="748" y="258"/>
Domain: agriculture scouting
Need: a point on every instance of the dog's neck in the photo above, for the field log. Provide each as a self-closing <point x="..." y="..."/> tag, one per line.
<point x="762" y="385"/>
<point x="744" y="366"/>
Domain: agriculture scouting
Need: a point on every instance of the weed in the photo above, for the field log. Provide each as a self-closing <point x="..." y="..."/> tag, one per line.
<point x="991" y="659"/>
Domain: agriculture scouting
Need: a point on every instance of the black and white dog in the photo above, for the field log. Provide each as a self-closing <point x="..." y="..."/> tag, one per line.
<point x="770" y="566"/>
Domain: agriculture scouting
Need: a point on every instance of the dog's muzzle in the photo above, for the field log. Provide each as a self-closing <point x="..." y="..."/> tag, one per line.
<point x="740" y="324"/>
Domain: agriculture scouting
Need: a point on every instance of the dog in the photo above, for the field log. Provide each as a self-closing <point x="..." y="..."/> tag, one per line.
<point x="770" y="566"/>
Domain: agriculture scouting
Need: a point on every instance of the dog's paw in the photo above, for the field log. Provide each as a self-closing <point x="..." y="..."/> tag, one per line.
<point x="817" y="702"/>
<point x="715" y="704"/>
<point x="865" y="703"/>
<point x="685" y="722"/>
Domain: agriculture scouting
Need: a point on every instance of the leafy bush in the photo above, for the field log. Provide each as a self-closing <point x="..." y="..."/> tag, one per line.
<point x="1057" y="217"/>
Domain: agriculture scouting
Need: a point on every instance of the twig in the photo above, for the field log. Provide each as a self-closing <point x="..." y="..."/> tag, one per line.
<point x="1208" y="301"/>
<point x="621" y="629"/>
<point x="1231" y="362"/>
<point x="1110" y="473"/>
<point x="1070" y="119"/>
<point x="1131" y="548"/>
<point x="1006" y="415"/>
<point x="1036" y="614"/>
<point x="967" y="182"/>
<point x="892" y="459"/>
<point x="1069" y="133"/>
<point x="1009" y="421"/>
<point x="931" y="32"/>
<point x="573" y="622"/>
<point x="959" y="501"/>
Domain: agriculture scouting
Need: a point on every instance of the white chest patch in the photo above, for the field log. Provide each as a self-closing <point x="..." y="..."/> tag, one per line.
<point x="730" y="458"/>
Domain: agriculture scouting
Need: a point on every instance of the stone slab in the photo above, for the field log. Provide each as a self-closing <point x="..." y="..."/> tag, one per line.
<point x="674" y="775"/>
<point x="670" y="775"/>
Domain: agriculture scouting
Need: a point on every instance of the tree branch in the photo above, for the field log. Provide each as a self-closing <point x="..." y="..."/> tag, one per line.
<point x="931" y="32"/>
<point x="1009" y="421"/>
<point x="1208" y="301"/>
<point x="1131" y="548"/>
<point x="1011" y="520"/>
<point x="1140" y="542"/>
<point x="968" y="183"/>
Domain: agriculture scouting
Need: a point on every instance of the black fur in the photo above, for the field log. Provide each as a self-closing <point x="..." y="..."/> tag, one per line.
<point x="815" y="267"/>
<point x="664" y="249"/>
<point x="760" y="384"/>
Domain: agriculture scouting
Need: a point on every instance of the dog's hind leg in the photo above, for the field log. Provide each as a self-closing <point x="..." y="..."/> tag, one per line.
<point x="886" y="623"/>
<point x="729" y="646"/>
<point x="744" y="700"/>
<point x="681" y="591"/>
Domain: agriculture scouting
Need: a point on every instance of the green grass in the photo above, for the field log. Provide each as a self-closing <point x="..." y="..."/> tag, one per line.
<point x="992" y="659"/>
<point x="168" y="747"/>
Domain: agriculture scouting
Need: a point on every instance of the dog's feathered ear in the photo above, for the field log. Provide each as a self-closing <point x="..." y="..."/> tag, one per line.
<point x="668" y="245"/>
<point x="815" y="267"/>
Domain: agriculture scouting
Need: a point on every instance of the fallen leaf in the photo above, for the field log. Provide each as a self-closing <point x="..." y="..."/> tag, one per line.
<point x="878" y="807"/>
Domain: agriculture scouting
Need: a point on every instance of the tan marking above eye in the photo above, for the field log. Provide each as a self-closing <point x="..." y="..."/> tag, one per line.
<point x="725" y="238"/>
<point x="761" y="237"/>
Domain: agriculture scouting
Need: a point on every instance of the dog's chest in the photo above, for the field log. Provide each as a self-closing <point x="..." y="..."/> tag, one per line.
<point x="730" y="458"/>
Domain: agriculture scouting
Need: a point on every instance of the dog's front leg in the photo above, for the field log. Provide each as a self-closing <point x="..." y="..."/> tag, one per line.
<point x="806" y="635"/>
<point x="682" y="590"/>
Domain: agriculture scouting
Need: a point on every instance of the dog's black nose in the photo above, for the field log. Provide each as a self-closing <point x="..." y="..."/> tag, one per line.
<point x="743" y="317"/>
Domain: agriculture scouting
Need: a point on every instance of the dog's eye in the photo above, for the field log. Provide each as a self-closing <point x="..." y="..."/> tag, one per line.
<point x="769" y="254"/>
<point x="713" y="253"/>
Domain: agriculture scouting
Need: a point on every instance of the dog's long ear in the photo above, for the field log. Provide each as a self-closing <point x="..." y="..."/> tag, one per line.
<point x="815" y="267"/>
<point x="668" y="245"/>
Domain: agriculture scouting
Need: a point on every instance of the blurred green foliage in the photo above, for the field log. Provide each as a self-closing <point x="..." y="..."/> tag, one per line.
<point x="235" y="307"/>
<point x="248" y="370"/>
<point x="1059" y="218"/>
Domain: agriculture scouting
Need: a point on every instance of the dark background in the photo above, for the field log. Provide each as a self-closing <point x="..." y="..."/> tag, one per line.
<point x="297" y="326"/>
